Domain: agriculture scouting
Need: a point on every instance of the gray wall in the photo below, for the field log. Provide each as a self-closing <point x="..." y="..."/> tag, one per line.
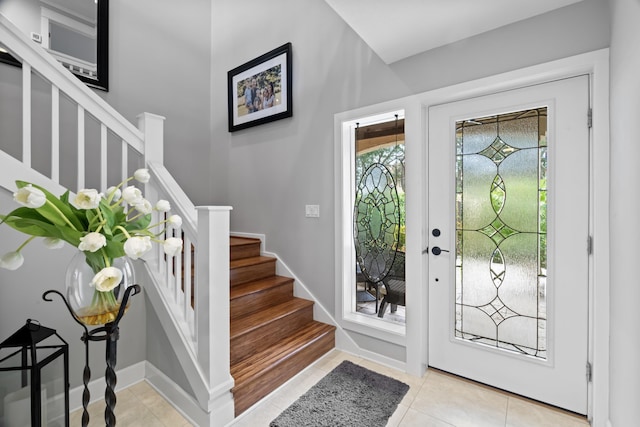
<point x="276" y="169"/>
<point x="172" y="59"/>
<point x="159" y="62"/>
<point x="24" y="13"/>
<point x="625" y="204"/>
<point x="21" y="299"/>
<point x="160" y="56"/>
<point x="578" y="28"/>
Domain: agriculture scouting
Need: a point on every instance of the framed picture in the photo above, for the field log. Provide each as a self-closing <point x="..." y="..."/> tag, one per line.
<point x="260" y="90"/>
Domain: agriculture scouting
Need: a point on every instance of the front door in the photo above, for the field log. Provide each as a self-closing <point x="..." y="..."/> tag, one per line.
<point x="508" y="240"/>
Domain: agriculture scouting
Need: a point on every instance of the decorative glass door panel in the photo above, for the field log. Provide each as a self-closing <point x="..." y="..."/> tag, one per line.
<point x="508" y="193"/>
<point x="501" y="212"/>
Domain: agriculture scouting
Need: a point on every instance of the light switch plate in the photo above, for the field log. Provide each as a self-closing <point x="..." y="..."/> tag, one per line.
<point x="312" y="211"/>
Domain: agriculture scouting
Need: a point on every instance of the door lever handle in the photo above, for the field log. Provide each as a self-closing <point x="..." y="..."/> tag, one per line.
<point x="437" y="251"/>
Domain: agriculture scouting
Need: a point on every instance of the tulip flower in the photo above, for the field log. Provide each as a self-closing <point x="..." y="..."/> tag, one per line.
<point x="172" y="246"/>
<point x="11" y="260"/>
<point x="163" y="206"/>
<point x="53" y="242"/>
<point x="107" y="279"/>
<point x="137" y="246"/>
<point x="175" y="221"/>
<point x="144" y="207"/>
<point x="87" y="199"/>
<point x="114" y="192"/>
<point x="92" y="242"/>
<point x="132" y="195"/>
<point x="30" y="197"/>
<point x="142" y="175"/>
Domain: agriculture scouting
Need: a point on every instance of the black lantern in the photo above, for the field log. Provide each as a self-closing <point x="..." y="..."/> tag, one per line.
<point x="34" y="378"/>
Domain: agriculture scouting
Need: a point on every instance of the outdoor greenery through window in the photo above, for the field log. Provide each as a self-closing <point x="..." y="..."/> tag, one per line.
<point x="379" y="219"/>
<point x="501" y="224"/>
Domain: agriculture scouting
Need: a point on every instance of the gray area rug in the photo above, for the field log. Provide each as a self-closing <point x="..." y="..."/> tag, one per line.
<point x="348" y="396"/>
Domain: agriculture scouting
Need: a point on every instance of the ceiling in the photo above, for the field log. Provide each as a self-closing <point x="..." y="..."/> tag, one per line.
<point x="401" y="28"/>
<point x="84" y="9"/>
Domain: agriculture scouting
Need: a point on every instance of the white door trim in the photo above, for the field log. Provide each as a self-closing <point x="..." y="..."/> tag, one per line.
<point x="596" y="64"/>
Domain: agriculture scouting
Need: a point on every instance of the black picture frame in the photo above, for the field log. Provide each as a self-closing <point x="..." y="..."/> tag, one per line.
<point x="268" y="79"/>
<point x="101" y="79"/>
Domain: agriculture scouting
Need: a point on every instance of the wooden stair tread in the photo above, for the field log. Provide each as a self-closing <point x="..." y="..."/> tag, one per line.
<point x="240" y="241"/>
<point x="253" y="321"/>
<point x="273" y="334"/>
<point x="249" y="288"/>
<point x="260" y="362"/>
<point x="246" y="262"/>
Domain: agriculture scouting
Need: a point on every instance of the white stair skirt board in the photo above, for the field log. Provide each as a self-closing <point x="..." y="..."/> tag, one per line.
<point x="222" y="408"/>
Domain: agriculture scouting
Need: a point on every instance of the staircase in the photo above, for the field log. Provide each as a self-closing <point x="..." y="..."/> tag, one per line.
<point x="232" y="354"/>
<point x="273" y="334"/>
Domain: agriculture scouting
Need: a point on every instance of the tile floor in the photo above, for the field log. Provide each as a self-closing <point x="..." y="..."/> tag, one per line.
<point x="139" y="405"/>
<point x="436" y="400"/>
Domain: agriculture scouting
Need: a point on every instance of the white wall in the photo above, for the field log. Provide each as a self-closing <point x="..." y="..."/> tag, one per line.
<point x="625" y="205"/>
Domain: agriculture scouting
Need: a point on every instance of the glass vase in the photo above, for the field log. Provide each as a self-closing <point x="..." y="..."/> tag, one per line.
<point x="90" y="306"/>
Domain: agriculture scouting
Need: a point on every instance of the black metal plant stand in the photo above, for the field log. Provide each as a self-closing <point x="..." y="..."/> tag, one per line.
<point x="109" y="333"/>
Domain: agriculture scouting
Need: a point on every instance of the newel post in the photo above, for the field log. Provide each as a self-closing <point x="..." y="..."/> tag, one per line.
<point x="212" y="293"/>
<point x="152" y="126"/>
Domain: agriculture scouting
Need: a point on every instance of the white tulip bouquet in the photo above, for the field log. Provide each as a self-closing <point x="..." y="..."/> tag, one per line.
<point x="104" y="226"/>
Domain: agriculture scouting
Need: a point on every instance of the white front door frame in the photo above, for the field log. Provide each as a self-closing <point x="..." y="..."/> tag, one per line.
<point x="596" y="65"/>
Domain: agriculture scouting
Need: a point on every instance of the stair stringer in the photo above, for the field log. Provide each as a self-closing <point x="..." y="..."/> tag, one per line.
<point x="216" y="403"/>
<point x="13" y="169"/>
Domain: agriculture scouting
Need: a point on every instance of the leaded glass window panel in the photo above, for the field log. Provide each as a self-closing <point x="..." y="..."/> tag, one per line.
<point x="501" y="211"/>
<point x="379" y="220"/>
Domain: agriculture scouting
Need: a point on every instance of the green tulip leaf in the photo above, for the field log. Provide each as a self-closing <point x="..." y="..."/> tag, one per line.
<point x="114" y="249"/>
<point x="53" y="213"/>
<point x="33" y="227"/>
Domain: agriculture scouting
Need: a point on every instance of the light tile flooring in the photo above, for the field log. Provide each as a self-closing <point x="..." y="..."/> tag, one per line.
<point x="435" y="400"/>
<point x="139" y="405"/>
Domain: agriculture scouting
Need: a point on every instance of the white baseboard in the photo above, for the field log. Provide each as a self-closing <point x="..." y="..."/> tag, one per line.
<point x="222" y="410"/>
<point x="182" y="402"/>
